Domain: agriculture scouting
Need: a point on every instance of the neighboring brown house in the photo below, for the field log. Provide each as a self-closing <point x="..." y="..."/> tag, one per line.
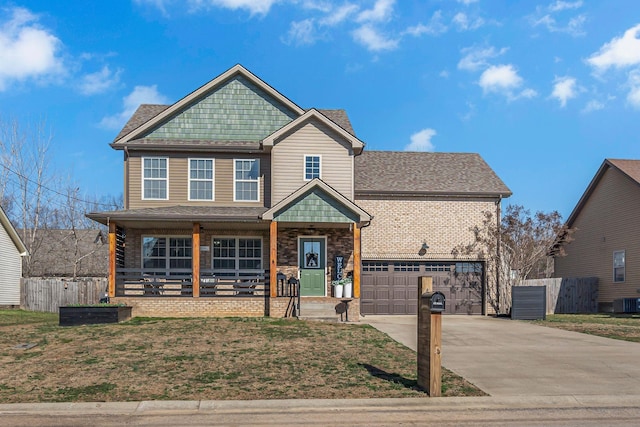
<point x="63" y="252"/>
<point x="234" y="188"/>
<point x="606" y="243"/>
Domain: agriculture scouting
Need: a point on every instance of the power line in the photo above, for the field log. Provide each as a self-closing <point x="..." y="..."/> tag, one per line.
<point x="108" y="205"/>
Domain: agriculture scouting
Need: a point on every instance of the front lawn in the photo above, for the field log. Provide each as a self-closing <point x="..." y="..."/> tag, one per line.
<point x="617" y="326"/>
<point x="204" y="359"/>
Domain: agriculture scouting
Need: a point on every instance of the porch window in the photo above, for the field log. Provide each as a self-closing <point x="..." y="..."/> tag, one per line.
<point x="246" y="180"/>
<point x="157" y="255"/>
<point x="155" y="172"/>
<point x="311" y="167"/>
<point x="201" y="179"/>
<point x="235" y="255"/>
<point x="618" y="266"/>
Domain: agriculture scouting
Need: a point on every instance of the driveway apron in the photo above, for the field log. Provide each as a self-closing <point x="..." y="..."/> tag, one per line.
<point x="513" y="358"/>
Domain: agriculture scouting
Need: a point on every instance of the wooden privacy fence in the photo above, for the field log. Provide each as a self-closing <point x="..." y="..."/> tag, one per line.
<point x="569" y="295"/>
<point x="39" y="294"/>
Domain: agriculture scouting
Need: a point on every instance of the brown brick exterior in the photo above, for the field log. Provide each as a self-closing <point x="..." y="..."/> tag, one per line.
<point x="400" y="226"/>
<point x="195" y="307"/>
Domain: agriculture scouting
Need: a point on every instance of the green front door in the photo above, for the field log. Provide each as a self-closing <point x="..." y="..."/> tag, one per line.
<point x="312" y="263"/>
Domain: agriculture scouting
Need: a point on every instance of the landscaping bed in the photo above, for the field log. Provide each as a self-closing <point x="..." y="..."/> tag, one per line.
<point x="204" y="359"/>
<point x="93" y="314"/>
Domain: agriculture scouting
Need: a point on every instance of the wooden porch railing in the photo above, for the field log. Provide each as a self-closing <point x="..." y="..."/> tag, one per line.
<point x="136" y="282"/>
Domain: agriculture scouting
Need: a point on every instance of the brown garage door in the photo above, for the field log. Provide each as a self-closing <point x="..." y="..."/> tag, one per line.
<point x="391" y="287"/>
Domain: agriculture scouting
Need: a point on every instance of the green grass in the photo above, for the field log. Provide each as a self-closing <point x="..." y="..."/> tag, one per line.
<point x="609" y="325"/>
<point x="205" y="359"/>
<point x="22" y="317"/>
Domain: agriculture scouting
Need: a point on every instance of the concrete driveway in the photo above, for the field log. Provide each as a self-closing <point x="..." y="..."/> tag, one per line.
<point x="513" y="358"/>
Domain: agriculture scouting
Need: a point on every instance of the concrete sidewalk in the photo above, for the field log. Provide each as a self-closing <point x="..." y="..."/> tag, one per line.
<point x="513" y="358"/>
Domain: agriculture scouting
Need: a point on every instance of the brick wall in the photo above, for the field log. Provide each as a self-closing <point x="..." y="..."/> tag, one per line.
<point x="195" y="307"/>
<point x="400" y="226"/>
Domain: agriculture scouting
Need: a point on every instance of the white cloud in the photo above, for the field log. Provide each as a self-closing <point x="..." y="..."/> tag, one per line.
<point x="633" y="97"/>
<point x="301" y="33"/>
<point x="254" y="7"/>
<point x="434" y="27"/>
<point x="564" y="89"/>
<point x="504" y="80"/>
<point x="27" y="50"/>
<point x="100" y="81"/>
<point x="560" y="5"/>
<point x="620" y="52"/>
<point x="373" y="40"/>
<point x="381" y="11"/>
<point x="421" y="141"/>
<point x="592" y="105"/>
<point x="464" y="23"/>
<point x="477" y="57"/>
<point x="139" y="95"/>
<point x="339" y="15"/>
<point x="467" y="2"/>
<point x="574" y="26"/>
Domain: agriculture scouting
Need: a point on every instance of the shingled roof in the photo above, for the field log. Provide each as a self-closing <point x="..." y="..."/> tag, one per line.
<point x="402" y="172"/>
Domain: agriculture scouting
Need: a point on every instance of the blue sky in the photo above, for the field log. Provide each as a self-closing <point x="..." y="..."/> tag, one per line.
<point x="543" y="91"/>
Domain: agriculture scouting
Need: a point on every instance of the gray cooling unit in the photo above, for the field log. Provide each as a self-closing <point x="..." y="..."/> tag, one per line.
<point x="626" y="305"/>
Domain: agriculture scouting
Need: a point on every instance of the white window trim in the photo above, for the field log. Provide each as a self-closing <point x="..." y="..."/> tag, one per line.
<point x="213" y="180"/>
<point x="235" y="199"/>
<point x="166" y="257"/>
<point x="624" y="266"/>
<point x="153" y="179"/>
<point x="237" y="257"/>
<point x="304" y="166"/>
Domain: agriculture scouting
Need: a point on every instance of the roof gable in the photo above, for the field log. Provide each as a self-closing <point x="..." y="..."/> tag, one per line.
<point x="235" y="106"/>
<point x="356" y="144"/>
<point x="628" y="168"/>
<point x="13" y="234"/>
<point x="316" y="202"/>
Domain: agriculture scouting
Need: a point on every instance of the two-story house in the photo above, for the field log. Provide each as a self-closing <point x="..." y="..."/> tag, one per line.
<point x="235" y="193"/>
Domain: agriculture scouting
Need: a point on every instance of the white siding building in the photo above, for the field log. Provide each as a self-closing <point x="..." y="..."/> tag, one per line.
<point x="12" y="249"/>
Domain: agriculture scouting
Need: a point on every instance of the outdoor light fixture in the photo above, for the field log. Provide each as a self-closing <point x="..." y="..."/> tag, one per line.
<point x="423" y="249"/>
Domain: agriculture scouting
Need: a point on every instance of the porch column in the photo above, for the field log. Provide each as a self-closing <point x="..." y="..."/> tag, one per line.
<point x="357" y="260"/>
<point x="195" y="260"/>
<point x="273" y="259"/>
<point x="112" y="260"/>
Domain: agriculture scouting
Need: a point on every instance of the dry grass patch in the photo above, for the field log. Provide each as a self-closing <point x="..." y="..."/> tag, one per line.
<point x="617" y="326"/>
<point x="205" y="359"/>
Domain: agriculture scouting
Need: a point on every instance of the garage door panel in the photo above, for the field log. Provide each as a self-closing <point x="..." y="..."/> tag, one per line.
<point x="395" y="291"/>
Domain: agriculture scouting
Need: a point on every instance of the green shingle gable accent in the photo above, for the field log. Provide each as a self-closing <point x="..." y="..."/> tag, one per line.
<point x="238" y="110"/>
<point x="316" y="206"/>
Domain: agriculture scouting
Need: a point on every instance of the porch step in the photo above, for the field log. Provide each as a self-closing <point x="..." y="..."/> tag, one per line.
<point x="319" y="311"/>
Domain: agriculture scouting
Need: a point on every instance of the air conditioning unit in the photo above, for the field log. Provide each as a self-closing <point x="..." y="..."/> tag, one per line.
<point x="626" y="305"/>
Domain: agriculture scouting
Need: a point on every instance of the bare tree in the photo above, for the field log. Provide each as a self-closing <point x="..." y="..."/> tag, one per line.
<point x="514" y="247"/>
<point x="24" y="152"/>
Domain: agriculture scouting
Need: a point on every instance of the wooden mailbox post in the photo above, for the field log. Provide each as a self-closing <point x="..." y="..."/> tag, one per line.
<point x="430" y="308"/>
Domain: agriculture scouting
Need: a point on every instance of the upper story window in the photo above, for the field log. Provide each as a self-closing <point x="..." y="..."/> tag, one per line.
<point x="155" y="178"/>
<point x="618" y="266"/>
<point x="246" y="185"/>
<point x="201" y="179"/>
<point x="311" y="167"/>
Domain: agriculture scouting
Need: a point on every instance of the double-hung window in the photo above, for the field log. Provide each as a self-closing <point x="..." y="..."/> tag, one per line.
<point x="618" y="266"/>
<point x="201" y="175"/>
<point x="246" y="185"/>
<point x="155" y="178"/>
<point x="166" y="253"/>
<point x="236" y="255"/>
<point x="311" y="167"/>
